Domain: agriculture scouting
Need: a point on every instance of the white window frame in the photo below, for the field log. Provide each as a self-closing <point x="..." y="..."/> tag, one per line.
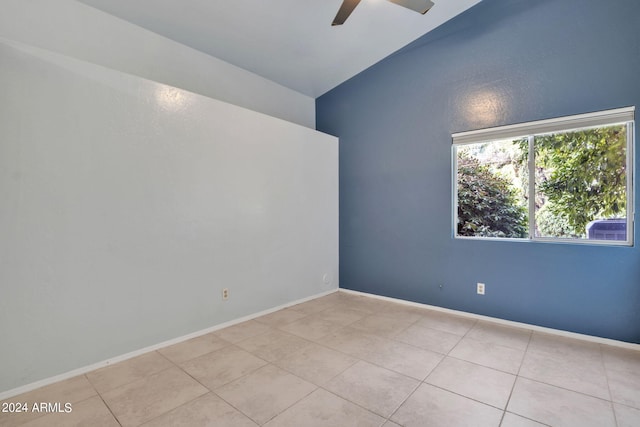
<point x="529" y="130"/>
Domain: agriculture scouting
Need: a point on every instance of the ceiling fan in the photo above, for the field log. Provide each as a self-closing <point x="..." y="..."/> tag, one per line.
<point x="421" y="6"/>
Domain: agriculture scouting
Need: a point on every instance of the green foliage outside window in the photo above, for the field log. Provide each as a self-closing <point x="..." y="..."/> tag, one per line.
<point x="585" y="175"/>
<point x="487" y="204"/>
<point x="580" y="176"/>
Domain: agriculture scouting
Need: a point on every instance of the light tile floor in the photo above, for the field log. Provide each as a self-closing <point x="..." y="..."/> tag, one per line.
<point x="350" y="360"/>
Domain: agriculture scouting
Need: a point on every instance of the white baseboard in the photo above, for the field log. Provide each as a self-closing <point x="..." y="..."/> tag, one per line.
<point x="83" y="370"/>
<point x="583" y="337"/>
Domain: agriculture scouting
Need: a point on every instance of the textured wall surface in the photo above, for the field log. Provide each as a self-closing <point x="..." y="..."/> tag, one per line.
<point x="126" y="206"/>
<point x="80" y="31"/>
<point x="501" y="62"/>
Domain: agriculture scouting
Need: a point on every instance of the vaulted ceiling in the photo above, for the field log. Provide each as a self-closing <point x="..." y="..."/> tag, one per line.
<point x="290" y="42"/>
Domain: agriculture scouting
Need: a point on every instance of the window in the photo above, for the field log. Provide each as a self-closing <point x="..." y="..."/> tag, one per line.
<point x="563" y="180"/>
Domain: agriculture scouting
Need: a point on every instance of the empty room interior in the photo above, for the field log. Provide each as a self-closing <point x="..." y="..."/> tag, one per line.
<point x="319" y="213"/>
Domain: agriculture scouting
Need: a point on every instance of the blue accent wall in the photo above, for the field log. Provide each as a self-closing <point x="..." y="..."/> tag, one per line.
<point x="501" y="62"/>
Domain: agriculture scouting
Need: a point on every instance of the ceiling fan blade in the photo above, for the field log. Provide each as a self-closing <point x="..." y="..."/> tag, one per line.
<point x="420" y="6"/>
<point x="344" y="11"/>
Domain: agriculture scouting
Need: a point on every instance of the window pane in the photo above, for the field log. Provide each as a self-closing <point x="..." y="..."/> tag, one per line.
<point x="491" y="188"/>
<point x="581" y="184"/>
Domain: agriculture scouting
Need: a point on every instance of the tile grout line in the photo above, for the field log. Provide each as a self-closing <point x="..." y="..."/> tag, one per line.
<point x="175" y="365"/>
<point x="294" y="403"/>
<point x="450" y="391"/>
<point x="268" y="363"/>
<point x="109" y="409"/>
<point x="403" y="401"/>
<point x="322" y="386"/>
<point x="352" y="402"/>
<point x="466" y="397"/>
<point x="387" y="338"/>
<point x="606" y="376"/>
<point x="233" y="406"/>
<point x="209" y="390"/>
<point x="524" y="354"/>
<point x="339" y="373"/>
<point x="38" y="384"/>
<point x="243" y="376"/>
<point x="554" y="385"/>
<point x="359" y="359"/>
<point x="216" y="394"/>
<point x="423" y="381"/>
<point x="482" y="366"/>
<point x="134" y="381"/>
<point x="567" y="389"/>
<point x="501" y="322"/>
<point x="100" y="396"/>
<point x="377" y="364"/>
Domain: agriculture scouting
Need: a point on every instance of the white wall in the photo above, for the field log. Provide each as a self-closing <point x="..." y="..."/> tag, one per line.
<point x="127" y="205"/>
<point x="77" y="30"/>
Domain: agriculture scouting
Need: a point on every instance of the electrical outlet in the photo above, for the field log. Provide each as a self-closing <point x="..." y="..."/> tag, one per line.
<point x="480" y="288"/>
<point x="225" y="294"/>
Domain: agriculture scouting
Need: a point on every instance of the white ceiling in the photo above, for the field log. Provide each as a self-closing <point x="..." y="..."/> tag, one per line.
<point x="290" y="42"/>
